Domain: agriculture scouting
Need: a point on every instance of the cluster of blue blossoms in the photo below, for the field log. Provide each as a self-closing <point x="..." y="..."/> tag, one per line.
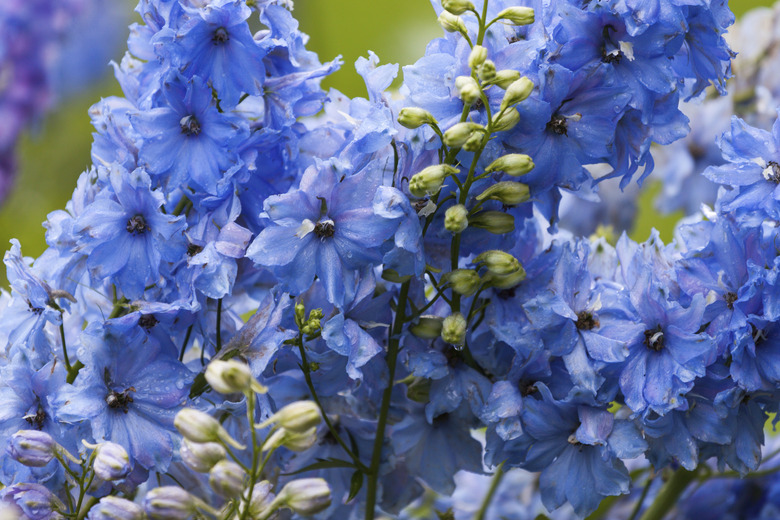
<point x="380" y="256"/>
<point x="45" y="55"/>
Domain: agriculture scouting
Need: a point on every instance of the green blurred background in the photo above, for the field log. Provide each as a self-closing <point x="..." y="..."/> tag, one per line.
<point x="53" y="155"/>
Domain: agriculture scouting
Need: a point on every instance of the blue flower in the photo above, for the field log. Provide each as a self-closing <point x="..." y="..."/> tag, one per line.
<point x="326" y="228"/>
<point x="127" y="235"/>
<point x="187" y="140"/>
<point x="128" y="392"/>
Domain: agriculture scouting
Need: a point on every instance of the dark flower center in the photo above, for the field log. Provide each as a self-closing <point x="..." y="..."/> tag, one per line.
<point x="220" y="36"/>
<point x="35" y="310"/>
<point x="189" y="125"/>
<point x="730" y="298"/>
<point x="194" y="249"/>
<point x="586" y="321"/>
<point x="558" y="125"/>
<point x="120" y="400"/>
<point x="324" y="228"/>
<point x="527" y="387"/>
<point x="137" y="225"/>
<point x="759" y="335"/>
<point x="654" y="339"/>
<point x="506" y="294"/>
<point x="36" y="419"/>
<point x="147" y="321"/>
<point x="772" y="172"/>
<point x="610" y="53"/>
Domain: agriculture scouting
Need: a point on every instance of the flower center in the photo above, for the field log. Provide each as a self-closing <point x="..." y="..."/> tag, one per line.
<point x="654" y="339"/>
<point x="558" y="125"/>
<point x="772" y="172"/>
<point x="189" y="125"/>
<point x="36" y="419"/>
<point x="730" y="298"/>
<point x="147" y="321"/>
<point x="120" y="400"/>
<point x="324" y="228"/>
<point x="586" y="321"/>
<point x="759" y="335"/>
<point x="137" y="225"/>
<point x="220" y="36"/>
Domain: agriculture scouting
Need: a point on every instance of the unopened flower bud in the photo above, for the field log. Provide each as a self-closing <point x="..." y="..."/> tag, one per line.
<point x="32" y="448"/>
<point x="296" y="417"/>
<point x="513" y="164"/>
<point x="505" y="281"/>
<point x="229" y="377"/>
<point x="496" y="222"/>
<point x="305" y="496"/>
<point x="453" y="330"/>
<point x="457" y="135"/>
<point x="429" y="181"/>
<point x="468" y="89"/>
<point x="457" y="7"/>
<point x="477" y="56"/>
<point x="506" y="77"/>
<point x="261" y="499"/>
<point x="506" y="120"/>
<point x="474" y="143"/>
<point x="498" y="262"/>
<point x="413" y="117"/>
<point x="169" y="503"/>
<point x="452" y="23"/>
<point x="201" y="456"/>
<point x="517" y="15"/>
<point x="507" y="192"/>
<point x="456" y="219"/>
<point x="111" y="461"/>
<point x="198" y="426"/>
<point x="34" y="500"/>
<point x="115" y="508"/>
<point x="226" y="478"/>
<point x="487" y="72"/>
<point x="463" y="281"/>
<point x="427" y="327"/>
<point x="517" y="92"/>
<point x="293" y="441"/>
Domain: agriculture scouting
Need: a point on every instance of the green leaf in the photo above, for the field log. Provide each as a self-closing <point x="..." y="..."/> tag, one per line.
<point x="355" y="484"/>
<point x="324" y="464"/>
<point x="199" y="385"/>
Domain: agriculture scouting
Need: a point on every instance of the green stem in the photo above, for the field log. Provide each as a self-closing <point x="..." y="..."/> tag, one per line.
<point x="669" y="494"/>
<point x="307" y="375"/>
<point x="379" y="439"/>
<point x="640" y="501"/>
<point x="219" y="325"/>
<point x="250" y="416"/>
<point x="497" y="476"/>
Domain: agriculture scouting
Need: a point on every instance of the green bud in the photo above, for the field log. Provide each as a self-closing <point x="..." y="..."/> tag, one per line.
<point x="452" y="23"/>
<point x="201" y="456"/>
<point x="291" y="440"/>
<point x="456" y="219"/>
<point x="487" y="71"/>
<point x="300" y="312"/>
<point x="496" y="222"/>
<point x="516" y="92"/>
<point x="463" y="281"/>
<point x="468" y="89"/>
<point x="474" y="143"/>
<point x="457" y="7"/>
<point x="227" y="479"/>
<point x="506" y="77"/>
<point x="429" y="181"/>
<point x="228" y="377"/>
<point x="498" y="262"/>
<point x="506" y="120"/>
<point x="457" y="135"/>
<point x="477" y="56"/>
<point x="419" y="389"/>
<point x="427" y="327"/>
<point x="413" y="117"/>
<point x="507" y="192"/>
<point x="198" y="426"/>
<point x="296" y="417"/>
<point x="505" y="281"/>
<point x="517" y="15"/>
<point x="513" y="164"/>
<point x="453" y="330"/>
<point x="306" y="496"/>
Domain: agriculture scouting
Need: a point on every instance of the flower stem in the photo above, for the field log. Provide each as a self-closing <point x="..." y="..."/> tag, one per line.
<point x="669" y="494"/>
<point x="497" y="476"/>
<point x="379" y="439"/>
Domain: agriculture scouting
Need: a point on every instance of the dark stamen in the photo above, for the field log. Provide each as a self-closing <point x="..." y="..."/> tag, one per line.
<point x="586" y="321"/>
<point x="189" y="125"/>
<point x="654" y="339"/>
<point x="147" y="321"/>
<point x="772" y="172"/>
<point x="120" y="400"/>
<point x="730" y="298"/>
<point x="558" y="125"/>
<point x="220" y="36"/>
<point x="137" y="225"/>
<point x="324" y="229"/>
